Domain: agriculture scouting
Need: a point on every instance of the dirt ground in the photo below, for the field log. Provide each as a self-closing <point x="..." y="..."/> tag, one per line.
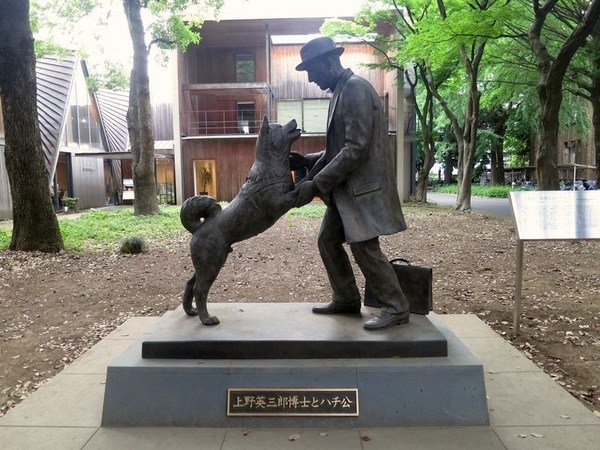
<point x="55" y="307"/>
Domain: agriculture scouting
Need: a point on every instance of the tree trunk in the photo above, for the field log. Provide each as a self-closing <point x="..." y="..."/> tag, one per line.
<point x="420" y="194"/>
<point x="546" y="158"/>
<point x="35" y="226"/>
<point x="552" y="72"/>
<point x="595" y="99"/>
<point x="426" y="119"/>
<point x="469" y="140"/>
<point x="497" y="153"/>
<point x="448" y="168"/>
<point x="139" y="117"/>
<point x="497" y="163"/>
<point x="463" y="199"/>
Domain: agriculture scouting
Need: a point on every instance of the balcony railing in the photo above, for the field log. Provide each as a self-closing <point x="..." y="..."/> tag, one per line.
<point x="203" y="123"/>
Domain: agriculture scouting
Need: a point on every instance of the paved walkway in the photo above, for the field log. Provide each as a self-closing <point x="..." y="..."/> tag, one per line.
<point x="494" y="206"/>
<point x="528" y="411"/>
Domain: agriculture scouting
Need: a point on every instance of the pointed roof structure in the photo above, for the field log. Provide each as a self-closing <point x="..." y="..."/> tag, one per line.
<point x="113" y="106"/>
<point x="54" y="80"/>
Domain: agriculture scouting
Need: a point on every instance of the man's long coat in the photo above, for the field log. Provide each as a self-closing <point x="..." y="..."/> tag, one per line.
<point x="357" y="169"/>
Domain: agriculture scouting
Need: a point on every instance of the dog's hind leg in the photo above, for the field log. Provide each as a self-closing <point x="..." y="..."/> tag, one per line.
<point x="208" y="262"/>
<point x="188" y="297"/>
<point x="204" y="281"/>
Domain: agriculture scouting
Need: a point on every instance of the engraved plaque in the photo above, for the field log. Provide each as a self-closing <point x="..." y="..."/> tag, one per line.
<point x="292" y="402"/>
<point x="555" y="215"/>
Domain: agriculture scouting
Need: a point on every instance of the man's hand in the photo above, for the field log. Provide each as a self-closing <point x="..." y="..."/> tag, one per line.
<point x="305" y="192"/>
<point x="298" y="161"/>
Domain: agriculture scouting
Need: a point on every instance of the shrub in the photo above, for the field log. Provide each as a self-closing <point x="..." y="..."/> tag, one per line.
<point x="133" y="245"/>
<point x="71" y="203"/>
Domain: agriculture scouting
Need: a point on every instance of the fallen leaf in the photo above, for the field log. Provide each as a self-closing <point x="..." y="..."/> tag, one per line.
<point x="522" y="436"/>
<point x="536" y="435"/>
<point x="246" y="432"/>
<point x="565" y="416"/>
<point x="322" y="434"/>
<point x="365" y="438"/>
<point x="294" y="437"/>
<point x="597" y="413"/>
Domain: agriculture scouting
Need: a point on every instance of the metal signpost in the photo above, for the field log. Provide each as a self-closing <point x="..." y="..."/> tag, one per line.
<point x="551" y="215"/>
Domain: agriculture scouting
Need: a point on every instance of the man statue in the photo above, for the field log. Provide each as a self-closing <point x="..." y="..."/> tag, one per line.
<point x="354" y="176"/>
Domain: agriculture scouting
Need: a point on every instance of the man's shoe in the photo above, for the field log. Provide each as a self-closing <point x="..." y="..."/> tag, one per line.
<point x="337" y="308"/>
<point x="386" y="320"/>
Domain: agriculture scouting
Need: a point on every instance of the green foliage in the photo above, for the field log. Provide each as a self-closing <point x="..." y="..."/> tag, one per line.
<point x="92" y="83"/>
<point x="312" y="210"/>
<point x="104" y="230"/>
<point x="174" y="33"/>
<point x="495" y="191"/>
<point x="113" y="78"/>
<point x="133" y="245"/>
<point x="47" y="47"/>
<point x="74" y="9"/>
<point x="71" y="203"/>
<point x="175" y="23"/>
<point x="5" y="236"/>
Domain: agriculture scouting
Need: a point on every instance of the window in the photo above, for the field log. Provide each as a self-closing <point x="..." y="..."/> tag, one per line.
<point x="315" y="115"/>
<point x="82" y="123"/>
<point x="245" y="117"/>
<point x="244" y="68"/>
<point x="311" y="115"/>
<point x="205" y="177"/>
<point x="288" y="110"/>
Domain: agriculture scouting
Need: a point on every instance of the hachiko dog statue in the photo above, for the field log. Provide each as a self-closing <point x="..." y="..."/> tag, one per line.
<point x="264" y="198"/>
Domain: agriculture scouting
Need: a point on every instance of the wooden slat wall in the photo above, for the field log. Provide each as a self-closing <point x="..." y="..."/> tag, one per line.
<point x="288" y="83"/>
<point x="233" y="157"/>
<point x="217" y="64"/>
<point x="389" y="82"/>
<point x="162" y="114"/>
<point x="233" y="160"/>
<point x="88" y="182"/>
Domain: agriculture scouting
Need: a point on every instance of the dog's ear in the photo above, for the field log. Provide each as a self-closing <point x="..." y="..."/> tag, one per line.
<point x="264" y="128"/>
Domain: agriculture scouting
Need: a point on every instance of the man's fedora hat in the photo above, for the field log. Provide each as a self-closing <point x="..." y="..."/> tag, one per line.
<point x="316" y="48"/>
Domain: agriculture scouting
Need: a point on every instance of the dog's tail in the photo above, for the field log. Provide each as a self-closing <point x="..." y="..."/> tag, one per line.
<point x="196" y="209"/>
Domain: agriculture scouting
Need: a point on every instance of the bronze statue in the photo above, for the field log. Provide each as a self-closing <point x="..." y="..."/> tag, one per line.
<point x="266" y="195"/>
<point x="354" y="176"/>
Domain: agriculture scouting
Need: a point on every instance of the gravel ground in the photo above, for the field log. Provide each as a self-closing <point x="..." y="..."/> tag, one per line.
<point x="55" y="307"/>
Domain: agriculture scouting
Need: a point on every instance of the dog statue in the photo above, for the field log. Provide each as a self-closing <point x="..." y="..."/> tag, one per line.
<point x="263" y="199"/>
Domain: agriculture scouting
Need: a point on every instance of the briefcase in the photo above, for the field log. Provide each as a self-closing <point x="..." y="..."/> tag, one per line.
<point x="416" y="283"/>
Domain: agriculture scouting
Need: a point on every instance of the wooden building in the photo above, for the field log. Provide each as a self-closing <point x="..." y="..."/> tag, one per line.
<point x="69" y="124"/>
<point x="85" y="140"/>
<point x="243" y="70"/>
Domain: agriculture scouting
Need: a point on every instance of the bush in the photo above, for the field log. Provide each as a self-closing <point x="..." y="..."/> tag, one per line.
<point x="496" y="191"/>
<point x="133" y="245"/>
<point x="71" y="203"/>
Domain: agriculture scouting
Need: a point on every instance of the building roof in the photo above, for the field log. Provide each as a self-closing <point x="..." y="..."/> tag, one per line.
<point x="54" y="79"/>
<point x="113" y="106"/>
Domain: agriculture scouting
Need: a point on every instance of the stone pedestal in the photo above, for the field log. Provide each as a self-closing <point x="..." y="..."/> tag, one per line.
<point x="285" y="346"/>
